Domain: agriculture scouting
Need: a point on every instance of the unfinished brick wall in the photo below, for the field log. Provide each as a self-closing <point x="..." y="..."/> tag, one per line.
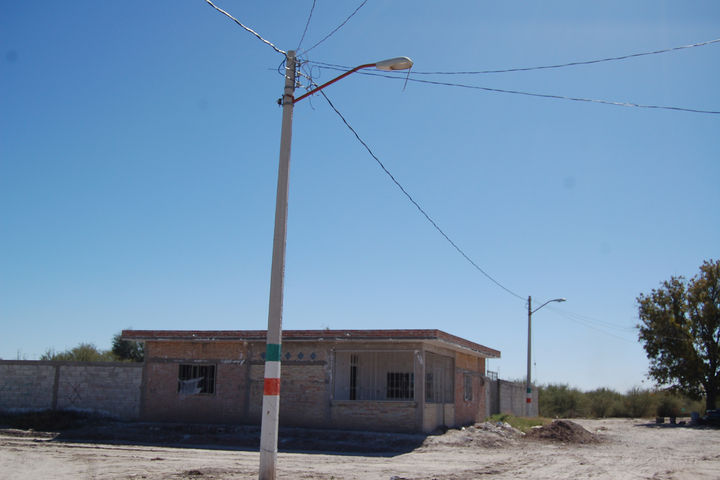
<point x="472" y="411"/>
<point x="106" y="388"/>
<point x="228" y="402"/>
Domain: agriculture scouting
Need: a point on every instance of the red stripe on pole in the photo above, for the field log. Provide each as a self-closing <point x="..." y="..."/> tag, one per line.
<point x="271" y="386"/>
<point x="528" y="400"/>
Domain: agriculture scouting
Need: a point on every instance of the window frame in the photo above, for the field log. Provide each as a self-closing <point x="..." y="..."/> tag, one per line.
<point x="206" y="371"/>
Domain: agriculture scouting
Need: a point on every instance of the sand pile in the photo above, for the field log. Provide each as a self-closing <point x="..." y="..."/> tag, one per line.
<point x="563" y="431"/>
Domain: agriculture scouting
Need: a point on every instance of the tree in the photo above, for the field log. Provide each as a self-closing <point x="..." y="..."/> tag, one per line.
<point x="84" y="352"/>
<point x="680" y="331"/>
<point x="127" y="350"/>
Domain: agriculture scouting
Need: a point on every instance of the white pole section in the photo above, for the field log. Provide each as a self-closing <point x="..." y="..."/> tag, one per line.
<point x="271" y="387"/>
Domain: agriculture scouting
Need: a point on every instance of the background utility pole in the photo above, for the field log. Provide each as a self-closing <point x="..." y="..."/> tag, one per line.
<point x="271" y="386"/>
<point x="528" y="398"/>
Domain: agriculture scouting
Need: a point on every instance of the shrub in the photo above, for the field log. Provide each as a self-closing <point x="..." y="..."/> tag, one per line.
<point x="561" y="401"/>
<point x="604" y="402"/>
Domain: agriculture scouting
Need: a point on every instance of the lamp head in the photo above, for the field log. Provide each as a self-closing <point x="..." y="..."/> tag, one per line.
<point x="398" y="63"/>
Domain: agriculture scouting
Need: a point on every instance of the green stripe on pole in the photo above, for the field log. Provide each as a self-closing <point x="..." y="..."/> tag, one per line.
<point x="272" y="354"/>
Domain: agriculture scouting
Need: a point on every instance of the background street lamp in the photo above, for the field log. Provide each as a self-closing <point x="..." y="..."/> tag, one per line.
<point x="271" y="384"/>
<point x="528" y="400"/>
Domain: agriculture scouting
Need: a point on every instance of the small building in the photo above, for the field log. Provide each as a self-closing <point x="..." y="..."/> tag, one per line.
<point x="385" y="380"/>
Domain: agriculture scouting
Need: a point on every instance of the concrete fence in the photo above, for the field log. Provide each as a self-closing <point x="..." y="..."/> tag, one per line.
<point x="106" y="388"/>
<point x="509" y="397"/>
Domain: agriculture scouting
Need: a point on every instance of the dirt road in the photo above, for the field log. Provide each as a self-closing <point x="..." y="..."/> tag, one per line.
<point x="627" y="449"/>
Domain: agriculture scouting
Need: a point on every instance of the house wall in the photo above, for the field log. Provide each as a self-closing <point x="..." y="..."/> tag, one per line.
<point x="468" y="412"/>
<point x="307" y="386"/>
<point x="229" y="402"/>
<point x="106" y="388"/>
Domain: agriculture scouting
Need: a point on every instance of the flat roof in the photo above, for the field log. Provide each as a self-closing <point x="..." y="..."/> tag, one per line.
<point x="310" y="335"/>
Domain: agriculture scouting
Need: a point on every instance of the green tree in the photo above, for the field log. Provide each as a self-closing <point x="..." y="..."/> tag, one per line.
<point x="680" y="331"/>
<point x="127" y="350"/>
<point x="84" y="352"/>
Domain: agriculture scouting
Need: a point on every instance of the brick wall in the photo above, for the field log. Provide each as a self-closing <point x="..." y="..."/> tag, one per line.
<point x="472" y="411"/>
<point x="107" y="388"/>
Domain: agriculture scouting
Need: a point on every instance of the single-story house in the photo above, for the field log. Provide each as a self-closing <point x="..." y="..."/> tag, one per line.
<point x="391" y="380"/>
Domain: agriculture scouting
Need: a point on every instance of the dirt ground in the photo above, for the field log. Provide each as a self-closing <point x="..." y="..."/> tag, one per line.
<point x="619" y="449"/>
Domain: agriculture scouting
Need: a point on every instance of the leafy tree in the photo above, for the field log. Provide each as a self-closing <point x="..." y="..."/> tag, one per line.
<point x="680" y="331"/>
<point x="127" y="350"/>
<point x="85" y="352"/>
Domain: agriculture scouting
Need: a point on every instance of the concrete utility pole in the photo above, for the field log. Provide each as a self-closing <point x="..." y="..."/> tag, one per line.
<point x="528" y="383"/>
<point x="271" y="385"/>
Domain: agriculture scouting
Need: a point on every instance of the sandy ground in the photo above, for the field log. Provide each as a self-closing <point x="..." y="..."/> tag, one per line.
<point x="627" y="449"/>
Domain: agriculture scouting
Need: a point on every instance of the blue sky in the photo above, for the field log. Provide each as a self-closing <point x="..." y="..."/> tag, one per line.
<point x="138" y="164"/>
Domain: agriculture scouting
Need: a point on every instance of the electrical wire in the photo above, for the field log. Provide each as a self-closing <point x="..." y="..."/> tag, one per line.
<point x="307" y="24"/>
<point x="417" y="205"/>
<point x="337" y="28"/>
<point x="561" y="65"/>
<point x="542" y="95"/>
<point x="573" y="64"/>
<point x="283" y="52"/>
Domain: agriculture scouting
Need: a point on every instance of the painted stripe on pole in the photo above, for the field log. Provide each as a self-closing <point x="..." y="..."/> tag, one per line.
<point x="272" y="369"/>
<point x="271" y="386"/>
<point x="272" y="353"/>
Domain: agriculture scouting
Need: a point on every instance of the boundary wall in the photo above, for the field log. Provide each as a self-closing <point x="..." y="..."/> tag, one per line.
<point x="106" y="388"/>
<point x="504" y="396"/>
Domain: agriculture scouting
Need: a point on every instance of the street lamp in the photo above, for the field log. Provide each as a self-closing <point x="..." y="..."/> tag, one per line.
<point x="271" y="384"/>
<point x="528" y="399"/>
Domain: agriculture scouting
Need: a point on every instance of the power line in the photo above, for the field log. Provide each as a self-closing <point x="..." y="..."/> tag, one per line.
<point x="283" y="52"/>
<point x="417" y="205"/>
<point x="561" y="65"/>
<point x="307" y="24"/>
<point x="541" y="95"/>
<point x="337" y="28"/>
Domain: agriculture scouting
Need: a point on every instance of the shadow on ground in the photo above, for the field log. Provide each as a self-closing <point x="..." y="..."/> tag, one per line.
<point x="79" y="428"/>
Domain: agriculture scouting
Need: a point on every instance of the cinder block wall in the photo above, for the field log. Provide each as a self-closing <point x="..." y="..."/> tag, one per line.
<point x="112" y="390"/>
<point x="509" y="397"/>
<point x="107" y="388"/>
<point x="26" y="385"/>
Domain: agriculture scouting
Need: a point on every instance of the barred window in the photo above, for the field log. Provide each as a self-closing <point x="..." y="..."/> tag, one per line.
<point x="195" y="379"/>
<point x="400" y="386"/>
<point x="467" y="387"/>
<point x="374" y="375"/>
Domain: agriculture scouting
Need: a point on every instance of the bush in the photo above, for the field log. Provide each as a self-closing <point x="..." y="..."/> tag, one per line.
<point x="639" y="403"/>
<point x="604" y="402"/>
<point x="561" y="401"/>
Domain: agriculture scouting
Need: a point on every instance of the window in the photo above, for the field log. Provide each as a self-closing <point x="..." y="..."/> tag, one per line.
<point x="353" y="376"/>
<point x="195" y="379"/>
<point x="400" y="386"/>
<point x="374" y="375"/>
<point x="467" y="387"/>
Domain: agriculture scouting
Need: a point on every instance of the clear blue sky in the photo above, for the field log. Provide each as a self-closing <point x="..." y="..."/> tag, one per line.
<point x="138" y="163"/>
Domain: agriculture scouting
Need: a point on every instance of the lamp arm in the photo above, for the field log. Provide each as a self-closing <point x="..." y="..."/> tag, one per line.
<point x="549" y="301"/>
<point x="367" y="65"/>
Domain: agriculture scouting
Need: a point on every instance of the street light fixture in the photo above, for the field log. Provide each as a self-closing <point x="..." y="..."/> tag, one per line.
<point x="271" y="384"/>
<point x="528" y="383"/>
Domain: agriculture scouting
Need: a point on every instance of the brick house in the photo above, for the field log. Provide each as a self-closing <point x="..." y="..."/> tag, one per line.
<point x="392" y="380"/>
